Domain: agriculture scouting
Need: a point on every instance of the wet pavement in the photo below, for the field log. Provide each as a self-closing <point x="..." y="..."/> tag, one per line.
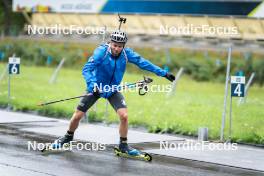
<point x="16" y="159"/>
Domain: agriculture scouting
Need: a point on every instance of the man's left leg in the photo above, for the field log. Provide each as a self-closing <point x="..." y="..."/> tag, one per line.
<point x="123" y="126"/>
<point x="118" y="103"/>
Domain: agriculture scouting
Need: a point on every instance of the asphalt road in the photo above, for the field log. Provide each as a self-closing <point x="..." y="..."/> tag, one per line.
<point x="16" y="159"/>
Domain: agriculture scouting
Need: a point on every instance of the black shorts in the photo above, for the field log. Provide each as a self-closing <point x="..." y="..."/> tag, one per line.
<point x="116" y="100"/>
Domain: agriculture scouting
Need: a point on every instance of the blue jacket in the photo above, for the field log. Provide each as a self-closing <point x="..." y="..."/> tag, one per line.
<point x="103" y="68"/>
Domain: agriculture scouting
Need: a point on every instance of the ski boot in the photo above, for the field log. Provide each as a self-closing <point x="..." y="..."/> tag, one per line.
<point x="61" y="143"/>
<point x="126" y="151"/>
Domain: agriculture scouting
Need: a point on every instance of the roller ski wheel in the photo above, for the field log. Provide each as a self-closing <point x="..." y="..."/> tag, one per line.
<point x="141" y="156"/>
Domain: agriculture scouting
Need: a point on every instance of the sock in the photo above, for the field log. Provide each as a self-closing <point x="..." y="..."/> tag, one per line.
<point x="123" y="140"/>
<point x="70" y="133"/>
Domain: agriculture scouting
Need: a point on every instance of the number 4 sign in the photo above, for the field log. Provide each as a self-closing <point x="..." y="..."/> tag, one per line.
<point x="14" y="65"/>
<point x="237" y="86"/>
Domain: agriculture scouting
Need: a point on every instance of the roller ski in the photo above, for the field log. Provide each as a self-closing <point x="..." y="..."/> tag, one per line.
<point x="59" y="145"/>
<point x="128" y="152"/>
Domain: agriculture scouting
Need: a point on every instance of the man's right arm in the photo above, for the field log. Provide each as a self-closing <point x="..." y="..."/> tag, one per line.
<point x="89" y="69"/>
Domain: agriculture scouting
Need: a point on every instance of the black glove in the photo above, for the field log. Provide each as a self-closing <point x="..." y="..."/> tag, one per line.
<point x="170" y="77"/>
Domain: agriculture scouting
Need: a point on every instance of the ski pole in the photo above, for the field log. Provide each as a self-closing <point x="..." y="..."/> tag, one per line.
<point x="56" y="101"/>
<point x="121" y="20"/>
<point x="142" y="86"/>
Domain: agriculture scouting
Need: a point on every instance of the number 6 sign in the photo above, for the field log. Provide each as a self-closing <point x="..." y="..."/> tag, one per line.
<point x="237" y="86"/>
<point x="14" y="65"/>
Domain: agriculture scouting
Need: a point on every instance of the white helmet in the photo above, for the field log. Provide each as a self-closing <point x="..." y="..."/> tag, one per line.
<point x="118" y="36"/>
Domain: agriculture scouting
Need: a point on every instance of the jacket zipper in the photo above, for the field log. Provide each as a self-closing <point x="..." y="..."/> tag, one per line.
<point x="113" y="74"/>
